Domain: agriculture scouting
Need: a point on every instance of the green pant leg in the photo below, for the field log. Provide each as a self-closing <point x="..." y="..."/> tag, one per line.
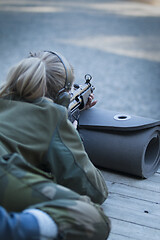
<point x="23" y="186"/>
<point x="77" y="219"/>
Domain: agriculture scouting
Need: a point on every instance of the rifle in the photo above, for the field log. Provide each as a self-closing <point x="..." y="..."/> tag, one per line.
<point x="79" y="98"/>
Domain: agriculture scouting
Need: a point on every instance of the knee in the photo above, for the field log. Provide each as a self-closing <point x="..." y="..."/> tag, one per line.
<point x="85" y="221"/>
<point x="77" y="219"/>
<point x="95" y="224"/>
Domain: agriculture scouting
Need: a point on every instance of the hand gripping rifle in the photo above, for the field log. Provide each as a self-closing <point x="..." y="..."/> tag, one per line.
<point x="79" y="98"/>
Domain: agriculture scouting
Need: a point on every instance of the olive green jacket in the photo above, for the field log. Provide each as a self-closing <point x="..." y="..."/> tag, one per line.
<point x="41" y="132"/>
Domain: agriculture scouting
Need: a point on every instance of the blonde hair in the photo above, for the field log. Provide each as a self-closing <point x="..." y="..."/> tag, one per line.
<point x="42" y="74"/>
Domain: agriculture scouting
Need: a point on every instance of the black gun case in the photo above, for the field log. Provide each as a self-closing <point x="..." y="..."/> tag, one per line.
<point x="121" y="142"/>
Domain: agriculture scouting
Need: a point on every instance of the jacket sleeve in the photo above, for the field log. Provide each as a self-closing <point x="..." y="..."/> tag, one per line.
<point x="71" y="165"/>
<point x="16" y="226"/>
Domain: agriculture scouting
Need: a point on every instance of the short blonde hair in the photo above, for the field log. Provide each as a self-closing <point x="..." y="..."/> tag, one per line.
<point x="42" y="74"/>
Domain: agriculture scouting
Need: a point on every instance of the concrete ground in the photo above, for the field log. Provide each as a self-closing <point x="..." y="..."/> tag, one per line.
<point x="117" y="42"/>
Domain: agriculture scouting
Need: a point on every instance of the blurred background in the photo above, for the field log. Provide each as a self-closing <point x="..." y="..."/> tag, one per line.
<point x="116" y="41"/>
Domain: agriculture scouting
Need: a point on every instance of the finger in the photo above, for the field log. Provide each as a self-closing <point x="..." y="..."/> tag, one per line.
<point x="93" y="103"/>
<point x="91" y="96"/>
<point x="90" y="99"/>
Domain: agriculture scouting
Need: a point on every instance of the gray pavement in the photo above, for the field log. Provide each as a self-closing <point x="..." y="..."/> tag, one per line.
<point x="117" y="42"/>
